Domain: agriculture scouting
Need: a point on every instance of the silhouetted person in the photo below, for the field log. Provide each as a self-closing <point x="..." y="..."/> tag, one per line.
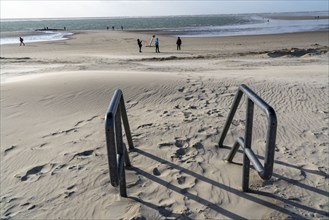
<point x="107" y="28"/>
<point x="139" y="42"/>
<point x="157" y="50"/>
<point x="64" y="28"/>
<point x="22" y="41"/>
<point x="178" y="42"/>
<point x="122" y="28"/>
<point x="113" y="28"/>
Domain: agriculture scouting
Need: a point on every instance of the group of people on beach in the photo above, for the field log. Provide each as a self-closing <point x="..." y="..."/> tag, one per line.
<point x="113" y="28"/>
<point x="157" y="44"/>
<point x="139" y="43"/>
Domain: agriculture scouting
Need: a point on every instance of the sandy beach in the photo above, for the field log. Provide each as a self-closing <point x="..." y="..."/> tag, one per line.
<point x="54" y="96"/>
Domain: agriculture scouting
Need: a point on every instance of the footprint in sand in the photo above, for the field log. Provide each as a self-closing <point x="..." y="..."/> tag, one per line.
<point x="166" y="202"/>
<point x="180" y="152"/>
<point x="187" y="114"/>
<point x="83" y="154"/>
<point x="57" y="169"/>
<point x="156" y="172"/>
<point x="165" y="114"/>
<point x="130" y="104"/>
<point x="68" y="194"/>
<point x="238" y="122"/>
<point x="181" y="89"/>
<point x="9" y="149"/>
<point x="164" y="145"/>
<point x="201" y="130"/>
<point x="61" y="132"/>
<point x="198" y="146"/>
<point x="88" y="120"/>
<point x="192" y="107"/>
<point x="36" y="172"/>
<point x="187" y="98"/>
<point x="186" y="181"/>
<point x="214" y="112"/>
<point x="145" y="125"/>
<point x="181" y="143"/>
<point x="177" y="107"/>
<point x="181" y="180"/>
<point x="41" y="146"/>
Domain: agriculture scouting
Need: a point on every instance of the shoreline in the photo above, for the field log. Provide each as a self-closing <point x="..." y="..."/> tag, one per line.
<point x="162" y="32"/>
<point x="270" y="24"/>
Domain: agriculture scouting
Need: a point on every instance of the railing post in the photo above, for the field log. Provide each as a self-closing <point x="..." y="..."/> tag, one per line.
<point x="247" y="144"/>
<point x="239" y="142"/>
<point x="228" y="122"/>
<point x="126" y="124"/>
<point x="118" y="132"/>
<point x="117" y="152"/>
<point x="270" y="144"/>
<point x="233" y="151"/>
<point x="121" y="152"/>
<point x="111" y="150"/>
<point x="123" y="187"/>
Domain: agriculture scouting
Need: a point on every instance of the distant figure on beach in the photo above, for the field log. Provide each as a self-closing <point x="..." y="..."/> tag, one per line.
<point x="178" y="42"/>
<point x="22" y="41"/>
<point x="122" y="28"/>
<point x="156" y="42"/>
<point x="151" y="41"/>
<point x="113" y="28"/>
<point x="107" y="28"/>
<point x="64" y="28"/>
<point x="139" y="42"/>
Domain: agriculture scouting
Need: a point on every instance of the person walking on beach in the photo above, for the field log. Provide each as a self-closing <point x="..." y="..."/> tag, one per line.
<point x="139" y="42"/>
<point x="156" y="42"/>
<point x="22" y="41"/>
<point x="178" y="42"/>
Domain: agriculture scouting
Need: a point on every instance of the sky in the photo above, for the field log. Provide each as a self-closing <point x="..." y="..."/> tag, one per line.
<point x="121" y="8"/>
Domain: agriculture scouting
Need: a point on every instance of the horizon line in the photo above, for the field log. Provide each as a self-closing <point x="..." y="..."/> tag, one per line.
<point x="137" y="16"/>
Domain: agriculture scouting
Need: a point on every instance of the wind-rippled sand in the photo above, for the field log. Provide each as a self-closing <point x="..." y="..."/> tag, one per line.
<point x="54" y="97"/>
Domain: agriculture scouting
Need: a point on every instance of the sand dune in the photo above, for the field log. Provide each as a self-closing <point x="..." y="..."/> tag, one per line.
<point x="53" y="151"/>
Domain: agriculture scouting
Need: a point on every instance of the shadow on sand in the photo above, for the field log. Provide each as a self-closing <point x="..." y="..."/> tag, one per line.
<point x="217" y="208"/>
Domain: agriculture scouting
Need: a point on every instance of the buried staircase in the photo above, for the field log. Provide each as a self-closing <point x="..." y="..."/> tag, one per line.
<point x="118" y="156"/>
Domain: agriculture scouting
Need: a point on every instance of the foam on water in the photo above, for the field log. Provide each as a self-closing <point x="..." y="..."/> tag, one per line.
<point x="36" y="37"/>
<point x="270" y="27"/>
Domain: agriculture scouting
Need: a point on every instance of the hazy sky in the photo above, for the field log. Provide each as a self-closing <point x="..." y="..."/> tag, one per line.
<point x="109" y="8"/>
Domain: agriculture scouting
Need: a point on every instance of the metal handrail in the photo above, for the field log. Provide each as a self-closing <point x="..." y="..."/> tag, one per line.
<point x="116" y="150"/>
<point x="266" y="171"/>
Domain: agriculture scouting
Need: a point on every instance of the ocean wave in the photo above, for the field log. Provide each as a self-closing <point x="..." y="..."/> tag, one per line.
<point x="39" y="36"/>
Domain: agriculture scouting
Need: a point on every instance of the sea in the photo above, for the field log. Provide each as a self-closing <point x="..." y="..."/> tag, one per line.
<point x="36" y="30"/>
